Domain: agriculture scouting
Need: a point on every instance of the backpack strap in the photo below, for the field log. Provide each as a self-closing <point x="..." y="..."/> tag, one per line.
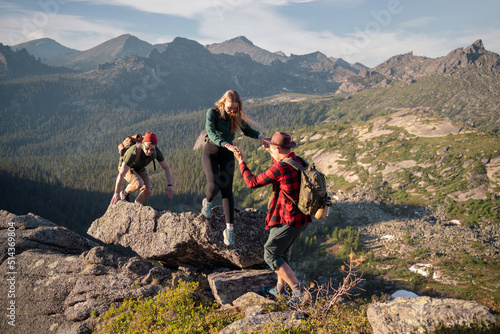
<point x="154" y="158"/>
<point x="138" y="155"/>
<point x="137" y="152"/>
<point x="295" y="164"/>
<point x="297" y="167"/>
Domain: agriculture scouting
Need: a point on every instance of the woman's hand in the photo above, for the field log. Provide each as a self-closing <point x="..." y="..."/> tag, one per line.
<point x="232" y="148"/>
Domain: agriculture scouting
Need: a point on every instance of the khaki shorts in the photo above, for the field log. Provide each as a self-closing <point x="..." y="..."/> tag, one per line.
<point x="132" y="176"/>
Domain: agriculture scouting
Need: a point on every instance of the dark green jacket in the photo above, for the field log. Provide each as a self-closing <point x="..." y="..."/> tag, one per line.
<point x="219" y="129"/>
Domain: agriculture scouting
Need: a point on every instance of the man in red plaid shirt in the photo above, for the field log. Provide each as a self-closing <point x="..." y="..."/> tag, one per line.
<point x="284" y="219"/>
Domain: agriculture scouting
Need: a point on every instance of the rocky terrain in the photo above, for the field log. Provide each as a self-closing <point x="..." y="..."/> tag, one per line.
<point x="399" y="232"/>
<point x="411" y="143"/>
<point x="186" y="237"/>
<point x="63" y="282"/>
<point x="407" y="67"/>
<point x="422" y="189"/>
<point x="404" y="315"/>
<point x="58" y="281"/>
<point x="408" y="182"/>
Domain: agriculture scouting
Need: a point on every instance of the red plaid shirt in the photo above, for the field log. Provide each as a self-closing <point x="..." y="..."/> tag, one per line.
<point x="281" y="210"/>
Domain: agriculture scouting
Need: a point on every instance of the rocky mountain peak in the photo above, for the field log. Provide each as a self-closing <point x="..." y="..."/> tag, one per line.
<point x="129" y="39"/>
<point x="182" y="43"/>
<point x="462" y="57"/>
<point x="43" y="48"/>
<point x="476" y="47"/>
<point x="16" y="64"/>
<point x="402" y="58"/>
<point x="314" y="56"/>
<point x="242" y="39"/>
<point x="154" y="54"/>
<point x="112" y="44"/>
<point x="132" y="46"/>
<point x="242" y="45"/>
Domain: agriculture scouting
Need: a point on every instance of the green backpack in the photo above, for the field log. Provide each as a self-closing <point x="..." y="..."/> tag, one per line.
<point x="312" y="195"/>
<point x="137" y="141"/>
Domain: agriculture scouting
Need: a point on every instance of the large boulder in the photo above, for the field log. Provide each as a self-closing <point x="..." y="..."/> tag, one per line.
<point x="54" y="280"/>
<point x="34" y="232"/>
<point x="185" y="237"/>
<point x="228" y="286"/>
<point x="273" y="322"/>
<point x="425" y="314"/>
<point x="39" y="267"/>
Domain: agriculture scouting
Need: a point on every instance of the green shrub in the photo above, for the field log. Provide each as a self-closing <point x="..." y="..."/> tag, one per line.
<point x="172" y="311"/>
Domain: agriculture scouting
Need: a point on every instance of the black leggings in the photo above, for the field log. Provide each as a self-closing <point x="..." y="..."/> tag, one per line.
<point x="218" y="164"/>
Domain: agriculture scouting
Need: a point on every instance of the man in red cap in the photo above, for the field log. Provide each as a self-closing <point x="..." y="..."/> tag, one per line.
<point x="284" y="220"/>
<point x="132" y="168"/>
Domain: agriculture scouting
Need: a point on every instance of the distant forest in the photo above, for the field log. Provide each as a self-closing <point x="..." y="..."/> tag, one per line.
<point x="59" y="137"/>
<point x="62" y="165"/>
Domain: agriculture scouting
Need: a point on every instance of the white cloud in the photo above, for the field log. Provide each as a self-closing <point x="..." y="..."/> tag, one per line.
<point x="418" y="22"/>
<point x="380" y="47"/>
<point x="19" y="26"/>
<point x="194" y="8"/>
<point x="274" y="32"/>
<point x="284" y="2"/>
<point x="184" y="9"/>
<point x="259" y="20"/>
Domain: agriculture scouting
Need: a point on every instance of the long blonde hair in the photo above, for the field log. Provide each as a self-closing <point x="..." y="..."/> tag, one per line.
<point x="236" y="117"/>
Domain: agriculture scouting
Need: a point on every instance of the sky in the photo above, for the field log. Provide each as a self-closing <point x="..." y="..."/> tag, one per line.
<point x="364" y="31"/>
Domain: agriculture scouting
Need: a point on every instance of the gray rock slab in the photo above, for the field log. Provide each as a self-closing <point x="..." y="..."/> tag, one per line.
<point x="228" y="286"/>
<point x="185" y="237"/>
<point x="424" y="314"/>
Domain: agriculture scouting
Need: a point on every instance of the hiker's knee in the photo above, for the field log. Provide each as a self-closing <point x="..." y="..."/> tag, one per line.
<point x="146" y="190"/>
<point x="137" y="184"/>
<point x="272" y="260"/>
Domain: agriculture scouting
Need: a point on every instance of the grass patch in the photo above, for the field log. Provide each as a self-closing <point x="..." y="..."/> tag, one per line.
<point x="171" y="311"/>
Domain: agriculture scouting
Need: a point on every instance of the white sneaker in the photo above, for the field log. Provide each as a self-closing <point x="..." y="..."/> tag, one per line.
<point x="206" y="208"/>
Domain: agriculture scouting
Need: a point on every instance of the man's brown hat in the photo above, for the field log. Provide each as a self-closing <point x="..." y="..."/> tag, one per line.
<point x="281" y="139"/>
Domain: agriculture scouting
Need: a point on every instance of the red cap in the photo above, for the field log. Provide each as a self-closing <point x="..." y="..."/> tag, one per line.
<point x="150" y="137"/>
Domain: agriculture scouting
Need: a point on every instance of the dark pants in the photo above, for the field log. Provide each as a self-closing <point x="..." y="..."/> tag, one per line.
<point x="278" y="247"/>
<point x="218" y="164"/>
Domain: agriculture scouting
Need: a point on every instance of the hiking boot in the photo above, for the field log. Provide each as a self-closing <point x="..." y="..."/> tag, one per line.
<point x="228" y="236"/>
<point x="124" y="196"/>
<point x="206" y="208"/>
<point x="299" y="298"/>
<point x="269" y="291"/>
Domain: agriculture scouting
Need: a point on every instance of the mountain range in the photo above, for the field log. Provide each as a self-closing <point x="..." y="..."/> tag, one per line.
<point x="128" y="45"/>
<point x="141" y="75"/>
<point x="410" y="146"/>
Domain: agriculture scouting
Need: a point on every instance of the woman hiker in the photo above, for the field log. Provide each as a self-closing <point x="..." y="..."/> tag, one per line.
<point x="222" y="121"/>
